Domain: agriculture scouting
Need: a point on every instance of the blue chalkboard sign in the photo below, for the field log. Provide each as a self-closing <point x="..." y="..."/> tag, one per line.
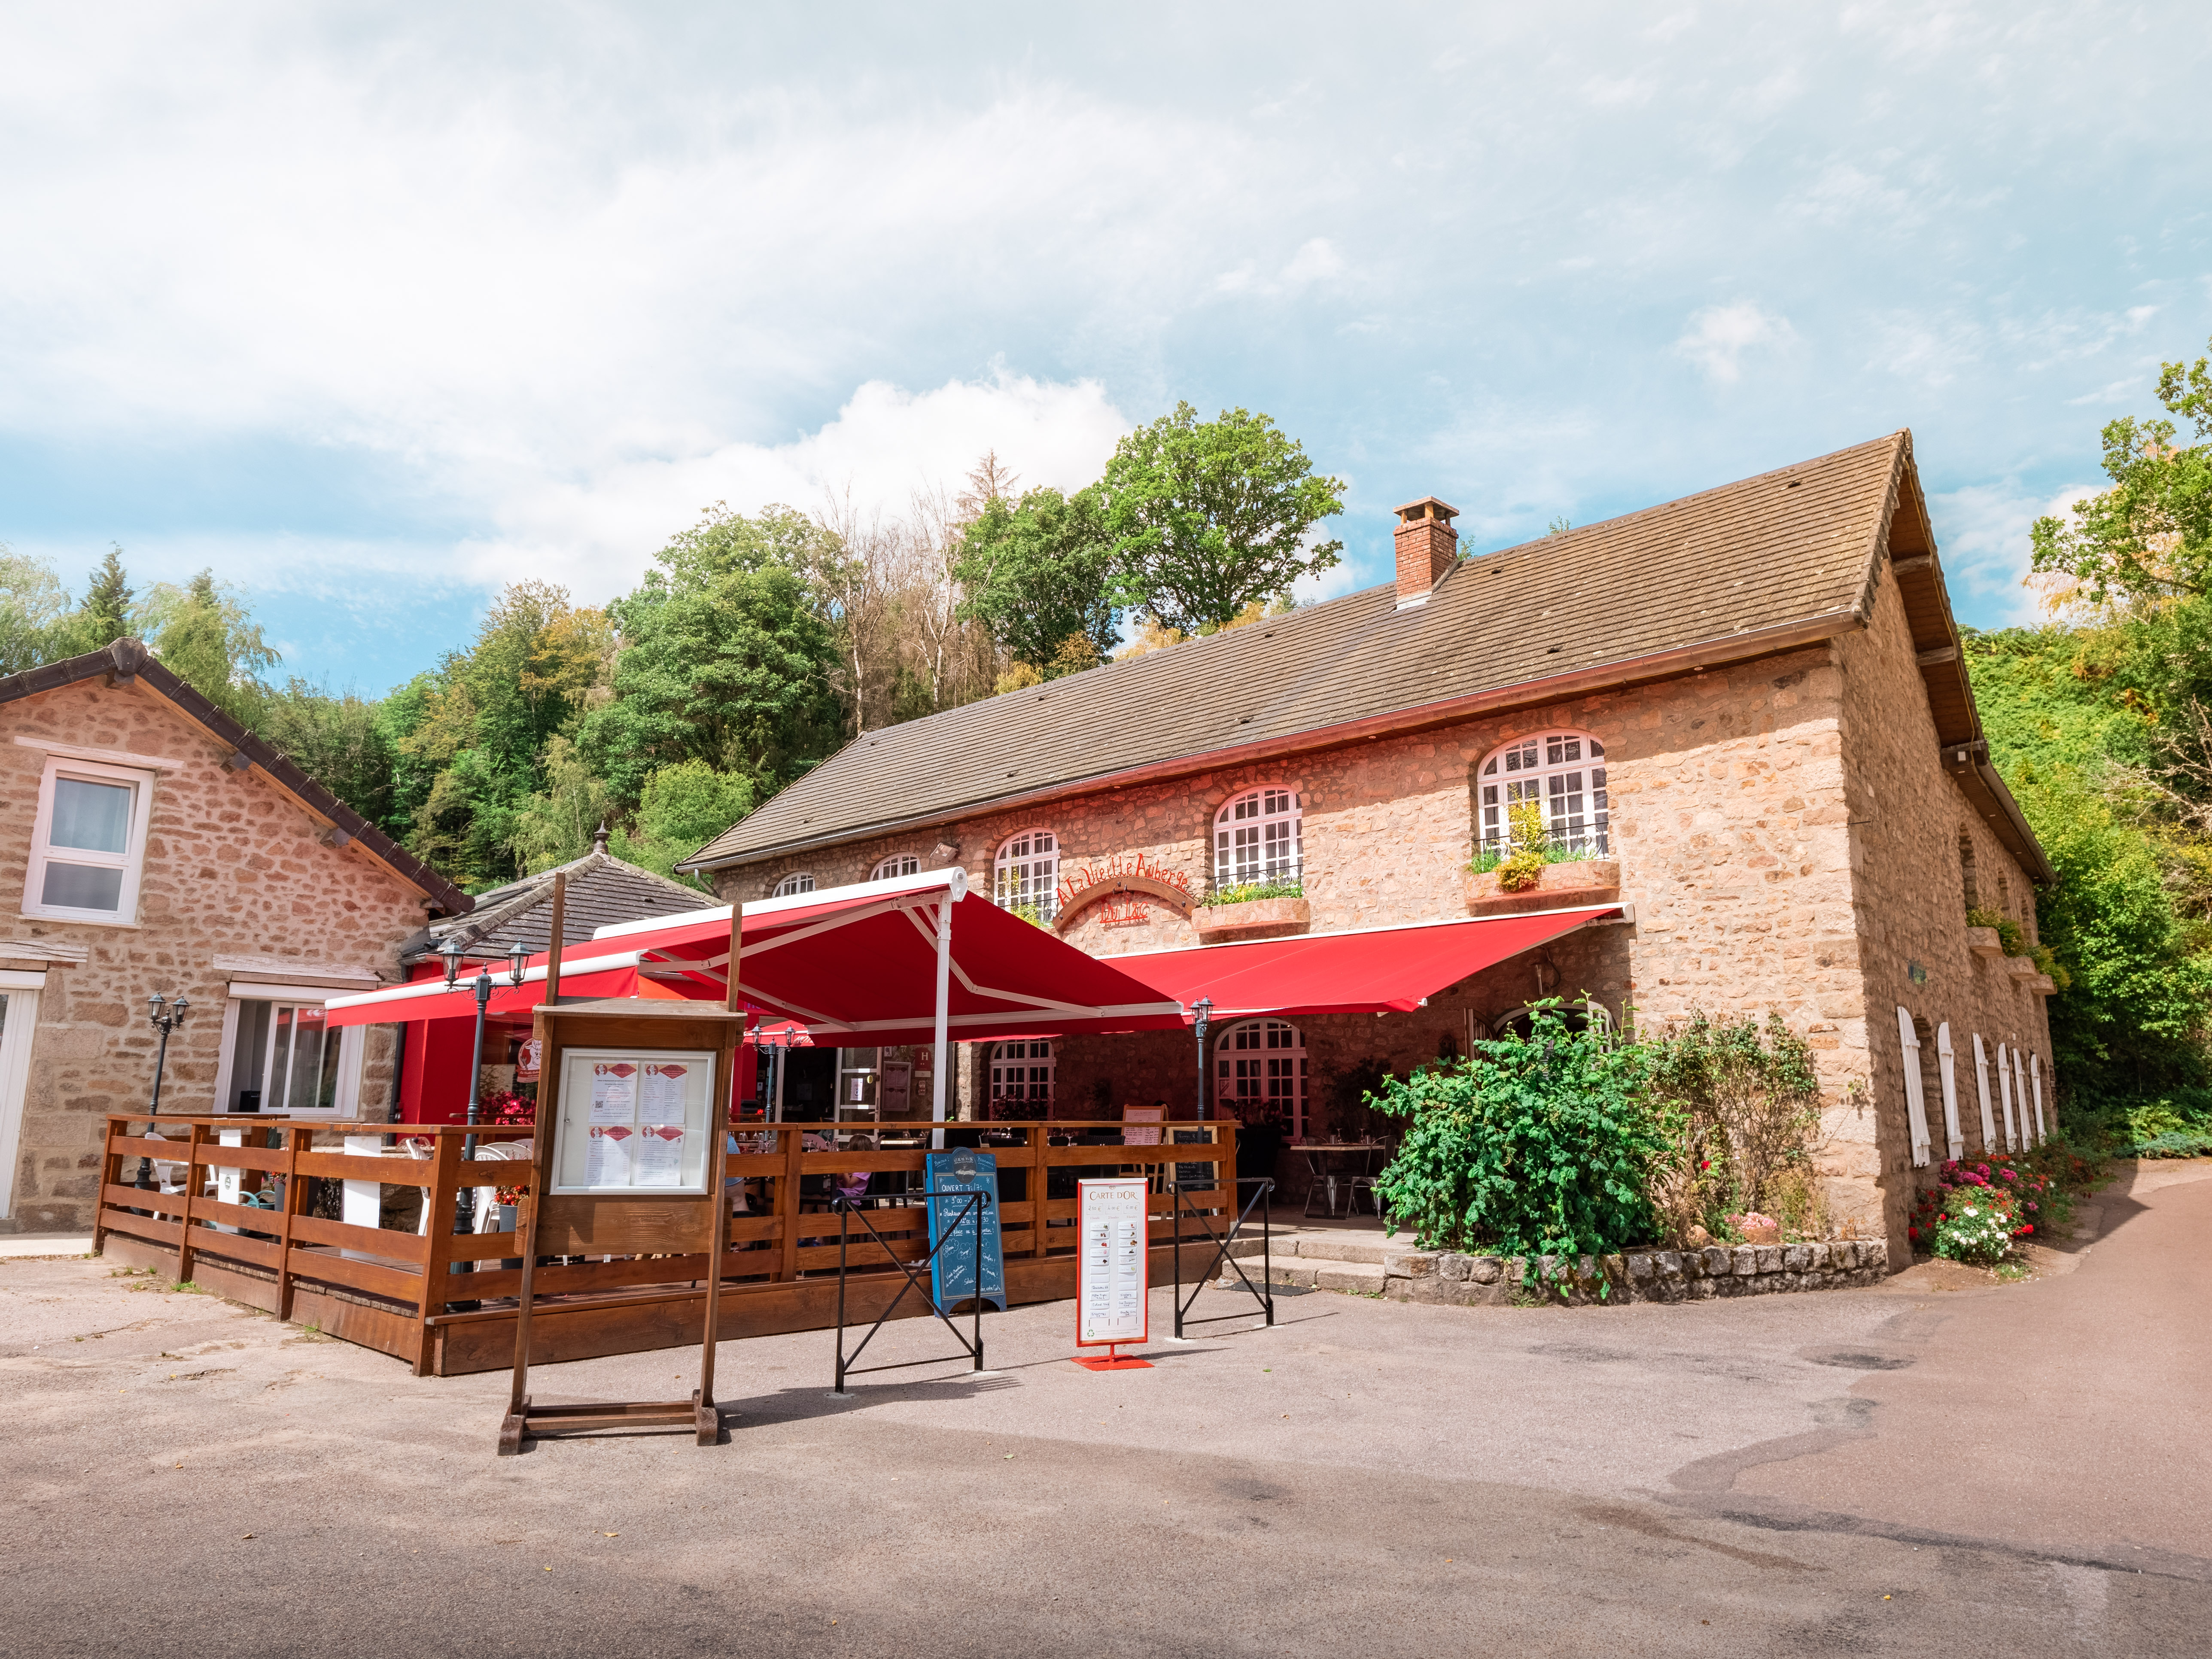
<point x="952" y="1270"/>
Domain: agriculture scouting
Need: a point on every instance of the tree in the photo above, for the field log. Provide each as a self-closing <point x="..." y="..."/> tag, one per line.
<point x="682" y="808"/>
<point x="104" y="616"/>
<point x="2149" y="536"/>
<point x="726" y="662"/>
<point x="1037" y="573"/>
<point x="1207" y="517"/>
<point x="556" y="825"/>
<point x="32" y="606"/>
<point x="204" y="633"/>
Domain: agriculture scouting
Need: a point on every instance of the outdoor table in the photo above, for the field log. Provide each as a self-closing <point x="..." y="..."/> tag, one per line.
<point x="1317" y="1154"/>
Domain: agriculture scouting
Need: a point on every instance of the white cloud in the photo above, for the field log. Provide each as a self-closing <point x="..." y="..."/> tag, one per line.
<point x="597" y="532"/>
<point x="1718" y="337"/>
<point x="1983" y="530"/>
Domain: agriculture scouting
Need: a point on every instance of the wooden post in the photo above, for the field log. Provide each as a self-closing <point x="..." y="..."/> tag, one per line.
<point x="710" y="1416"/>
<point x="185" y="1252"/>
<point x="438" y="1257"/>
<point x="553" y="950"/>
<point x="1035" y="1184"/>
<point x="110" y="1174"/>
<point x="541" y="1165"/>
<point x="737" y="1001"/>
<point x="786" y="1200"/>
<point x="296" y="1140"/>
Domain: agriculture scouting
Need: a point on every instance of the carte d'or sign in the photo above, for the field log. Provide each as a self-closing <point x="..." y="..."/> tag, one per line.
<point x="1126" y="883"/>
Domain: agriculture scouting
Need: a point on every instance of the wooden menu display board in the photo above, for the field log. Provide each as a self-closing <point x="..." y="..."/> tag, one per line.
<point x="633" y="1108"/>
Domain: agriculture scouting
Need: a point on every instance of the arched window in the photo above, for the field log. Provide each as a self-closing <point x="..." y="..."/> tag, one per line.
<point x="1026" y="874"/>
<point x="1564" y="772"/>
<point x="1020" y="1079"/>
<point x="1259" y="1071"/>
<point x="791" y="884"/>
<point x="1575" y="1016"/>
<point x="898" y="864"/>
<point x="1256" y="838"/>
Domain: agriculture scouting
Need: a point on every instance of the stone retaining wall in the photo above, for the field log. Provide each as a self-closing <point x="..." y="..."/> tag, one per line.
<point x="1467" y="1281"/>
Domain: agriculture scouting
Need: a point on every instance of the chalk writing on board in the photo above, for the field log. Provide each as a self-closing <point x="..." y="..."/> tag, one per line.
<point x="953" y="1270"/>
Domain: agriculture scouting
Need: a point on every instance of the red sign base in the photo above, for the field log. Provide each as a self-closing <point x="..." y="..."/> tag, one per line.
<point x="1113" y="1362"/>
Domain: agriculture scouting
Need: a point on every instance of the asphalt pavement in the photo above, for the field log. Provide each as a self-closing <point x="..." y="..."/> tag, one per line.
<point x="1945" y="1464"/>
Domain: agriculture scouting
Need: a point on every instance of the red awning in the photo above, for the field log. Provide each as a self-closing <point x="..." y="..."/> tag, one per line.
<point x="1374" y="970"/>
<point x="854" y="963"/>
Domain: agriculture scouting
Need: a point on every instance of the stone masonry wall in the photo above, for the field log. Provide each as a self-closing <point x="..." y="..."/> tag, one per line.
<point x="1735" y="820"/>
<point x="233" y="868"/>
<point x="1907" y="817"/>
<point x="1469" y="1281"/>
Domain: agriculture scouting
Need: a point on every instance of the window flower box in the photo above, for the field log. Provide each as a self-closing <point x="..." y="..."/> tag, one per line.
<point x="2023" y="968"/>
<point x="1985" y="942"/>
<point x="1559" y="886"/>
<point x="2043" y="985"/>
<point x="1266" y="918"/>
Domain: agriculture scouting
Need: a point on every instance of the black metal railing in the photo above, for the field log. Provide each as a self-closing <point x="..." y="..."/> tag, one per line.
<point x="972" y="1207"/>
<point x="1265" y="1291"/>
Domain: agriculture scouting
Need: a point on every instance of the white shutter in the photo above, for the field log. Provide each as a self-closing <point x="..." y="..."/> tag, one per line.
<point x="1915" y="1097"/>
<point x="1982" y="1082"/>
<point x="1944" y="1063"/>
<point x="2004" y="1092"/>
<point x="2035" y="1076"/>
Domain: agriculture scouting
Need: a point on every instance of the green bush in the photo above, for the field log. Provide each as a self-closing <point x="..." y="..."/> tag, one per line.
<point x="1537" y="1145"/>
<point x="1977" y="1228"/>
<point x="1245" y="892"/>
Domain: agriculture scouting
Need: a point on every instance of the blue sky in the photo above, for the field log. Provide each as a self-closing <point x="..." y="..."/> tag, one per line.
<point x="374" y="309"/>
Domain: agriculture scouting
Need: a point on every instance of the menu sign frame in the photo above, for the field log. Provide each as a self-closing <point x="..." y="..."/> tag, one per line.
<point x="1112" y="1226"/>
<point x="634" y="1122"/>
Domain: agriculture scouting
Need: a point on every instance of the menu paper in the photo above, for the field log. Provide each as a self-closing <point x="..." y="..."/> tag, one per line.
<point x="613" y="1098"/>
<point x="660" y="1156"/>
<point x="1111" y="1274"/>
<point x="660" y="1093"/>
<point x="608" y="1165"/>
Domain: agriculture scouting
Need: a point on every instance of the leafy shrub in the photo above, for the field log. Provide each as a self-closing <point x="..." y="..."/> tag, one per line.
<point x="1245" y="892"/>
<point x="1749" y="1103"/>
<point x="1519" y="864"/>
<point x="1977" y="1229"/>
<point x="1955" y="1216"/>
<point x="2008" y="934"/>
<point x="1541" y="1144"/>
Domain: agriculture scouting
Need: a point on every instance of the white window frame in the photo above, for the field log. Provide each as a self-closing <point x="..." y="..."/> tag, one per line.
<point x="132" y="860"/>
<point x="1506" y="775"/>
<point x="353" y="1047"/>
<point x="798" y="881"/>
<point x="1269" y="1063"/>
<point x="1036" y="1057"/>
<point x="22" y="989"/>
<point x="1026" y="873"/>
<point x="1270" y="821"/>
<point x="898" y="865"/>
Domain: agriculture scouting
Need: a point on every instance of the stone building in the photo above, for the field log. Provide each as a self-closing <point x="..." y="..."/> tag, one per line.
<point x="1746" y="710"/>
<point x="159" y="847"/>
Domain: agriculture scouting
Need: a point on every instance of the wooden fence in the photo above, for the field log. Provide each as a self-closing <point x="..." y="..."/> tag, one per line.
<point x="398" y="1292"/>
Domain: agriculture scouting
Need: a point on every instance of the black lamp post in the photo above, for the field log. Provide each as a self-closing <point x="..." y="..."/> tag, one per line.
<point x="1201" y="1012"/>
<point x="166" y="1017"/>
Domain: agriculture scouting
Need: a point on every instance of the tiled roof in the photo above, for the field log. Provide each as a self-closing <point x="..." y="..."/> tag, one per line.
<point x="601" y="890"/>
<point x="129" y="659"/>
<point x="1785" y="557"/>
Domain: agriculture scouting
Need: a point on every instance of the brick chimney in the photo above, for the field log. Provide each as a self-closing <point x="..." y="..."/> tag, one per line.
<point x="1428" y="546"/>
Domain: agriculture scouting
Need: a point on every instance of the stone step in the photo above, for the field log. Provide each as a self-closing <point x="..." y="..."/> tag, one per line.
<point x="1316" y="1273"/>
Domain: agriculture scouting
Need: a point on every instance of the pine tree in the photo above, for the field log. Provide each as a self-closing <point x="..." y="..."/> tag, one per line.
<point x="106" y="612"/>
